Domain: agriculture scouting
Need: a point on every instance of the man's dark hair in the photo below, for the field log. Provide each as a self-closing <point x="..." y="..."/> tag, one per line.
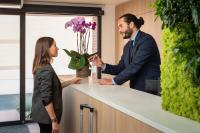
<point x="128" y="18"/>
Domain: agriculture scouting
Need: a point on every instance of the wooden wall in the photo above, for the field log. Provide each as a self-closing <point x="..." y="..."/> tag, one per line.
<point x="140" y="8"/>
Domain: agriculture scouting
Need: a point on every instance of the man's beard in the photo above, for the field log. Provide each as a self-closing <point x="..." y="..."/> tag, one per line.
<point x="127" y="33"/>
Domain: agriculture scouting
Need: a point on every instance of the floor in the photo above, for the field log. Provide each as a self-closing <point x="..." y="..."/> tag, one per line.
<point x="26" y="128"/>
<point x="33" y="128"/>
<point x="9" y="115"/>
<point x="12" y="115"/>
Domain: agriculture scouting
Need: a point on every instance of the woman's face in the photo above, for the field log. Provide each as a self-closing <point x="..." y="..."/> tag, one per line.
<point x="53" y="50"/>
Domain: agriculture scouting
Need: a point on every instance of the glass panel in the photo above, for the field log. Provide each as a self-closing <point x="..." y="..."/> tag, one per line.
<point x="10" y="1"/>
<point x="53" y="26"/>
<point x="9" y="67"/>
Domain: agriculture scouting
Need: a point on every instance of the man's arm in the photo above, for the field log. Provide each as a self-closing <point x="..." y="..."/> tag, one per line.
<point x="115" y="69"/>
<point x="145" y="51"/>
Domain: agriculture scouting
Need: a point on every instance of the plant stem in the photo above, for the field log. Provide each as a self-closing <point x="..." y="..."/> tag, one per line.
<point x="85" y="41"/>
<point x="88" y="40"/>
<point x="77" y="43"/>
<point x="80" y="42"/>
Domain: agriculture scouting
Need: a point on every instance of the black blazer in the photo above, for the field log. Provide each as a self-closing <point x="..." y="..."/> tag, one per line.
<point x="47" y="88"/>
<point x="138" y="64"/>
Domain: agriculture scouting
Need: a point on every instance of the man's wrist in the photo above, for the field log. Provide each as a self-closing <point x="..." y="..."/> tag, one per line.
<point x="103" y="67"/>
<point x="113" y="82"/>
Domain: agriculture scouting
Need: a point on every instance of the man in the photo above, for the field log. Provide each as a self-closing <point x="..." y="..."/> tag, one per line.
<point x="140" y="61"/>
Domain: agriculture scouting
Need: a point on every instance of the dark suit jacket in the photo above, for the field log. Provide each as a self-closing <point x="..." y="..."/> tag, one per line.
<point x="47" y="88"/>
<point x="139" y="64"/>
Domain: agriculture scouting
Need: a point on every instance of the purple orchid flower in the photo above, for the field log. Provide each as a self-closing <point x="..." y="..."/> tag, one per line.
<point x="82" y="29"/>
<point x="93" y="25"/>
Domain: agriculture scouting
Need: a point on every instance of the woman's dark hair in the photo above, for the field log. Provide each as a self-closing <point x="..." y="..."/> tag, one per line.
<point x="128" y="18"/>
<point x="42" y="57"/>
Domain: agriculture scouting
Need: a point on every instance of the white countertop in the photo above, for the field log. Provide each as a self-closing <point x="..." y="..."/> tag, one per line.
<point x="140" y="105"/>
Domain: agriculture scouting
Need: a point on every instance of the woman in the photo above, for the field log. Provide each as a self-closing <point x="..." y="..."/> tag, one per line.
<point x="47" y="95"/>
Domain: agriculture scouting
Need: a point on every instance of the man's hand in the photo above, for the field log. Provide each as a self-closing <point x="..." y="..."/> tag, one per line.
<point x="96" y="60"/>
<point x="105" y="81"/>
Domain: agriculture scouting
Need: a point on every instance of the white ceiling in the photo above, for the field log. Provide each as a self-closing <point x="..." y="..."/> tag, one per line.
<point x="101" y="2"/>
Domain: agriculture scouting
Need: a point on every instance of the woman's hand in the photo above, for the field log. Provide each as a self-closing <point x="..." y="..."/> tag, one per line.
<point x="76" y="80"/>
<point x="55" y="127"/>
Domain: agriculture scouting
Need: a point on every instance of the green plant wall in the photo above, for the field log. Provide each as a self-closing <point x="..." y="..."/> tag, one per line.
<point x="179" y="95"/>
<point x="180" y="67"/>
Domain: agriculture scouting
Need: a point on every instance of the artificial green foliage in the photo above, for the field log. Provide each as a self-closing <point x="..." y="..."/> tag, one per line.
<point x="180" y="67"/>
<point x="178" y="93"/>
<point x="78" y="61"/>
<point x="175" y="13"/>
<point x="183" y="17"/>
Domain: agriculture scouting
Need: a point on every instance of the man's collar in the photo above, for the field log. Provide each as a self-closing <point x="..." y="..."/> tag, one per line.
<point x="133" y="38"/>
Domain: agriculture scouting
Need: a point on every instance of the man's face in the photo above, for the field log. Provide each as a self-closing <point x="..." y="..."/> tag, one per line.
<point x="124" y="29"/>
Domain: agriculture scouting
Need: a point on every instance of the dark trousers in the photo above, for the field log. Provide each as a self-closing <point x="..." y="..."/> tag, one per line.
<point x="45" y="128"/>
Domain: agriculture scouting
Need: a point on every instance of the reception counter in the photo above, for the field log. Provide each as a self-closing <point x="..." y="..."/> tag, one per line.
<point x="141" y="106"/>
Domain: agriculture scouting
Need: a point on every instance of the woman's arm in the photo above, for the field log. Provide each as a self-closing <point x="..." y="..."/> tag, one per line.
<point x="72" y="81"/>
<point x="66" y="83"/>
<point x="50" y="110"/>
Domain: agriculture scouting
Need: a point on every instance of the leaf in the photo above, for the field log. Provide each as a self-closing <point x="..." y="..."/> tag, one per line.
<point x="75" y="54"/>
<point x="92" y="54"/>
<point x="156" y="18"/>
<point x="77" y="63"/>
<point x="195" y="15"/>
<point x="86" y="55"/>
<point x="68" y="53"/>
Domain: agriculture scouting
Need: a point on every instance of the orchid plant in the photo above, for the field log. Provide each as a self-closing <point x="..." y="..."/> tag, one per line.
<point x="79" y="58"/>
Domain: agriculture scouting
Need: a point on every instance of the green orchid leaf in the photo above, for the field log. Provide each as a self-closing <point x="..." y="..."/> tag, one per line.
<point x="86" y="55"/>
<point x="75" y="54"/>
<point x="92" y="54"/>
<point x="68" y="53"/>
<point x="77" y="63"/>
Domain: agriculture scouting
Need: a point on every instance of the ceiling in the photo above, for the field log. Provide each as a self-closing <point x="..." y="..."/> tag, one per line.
<point x="96" y="2"/>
